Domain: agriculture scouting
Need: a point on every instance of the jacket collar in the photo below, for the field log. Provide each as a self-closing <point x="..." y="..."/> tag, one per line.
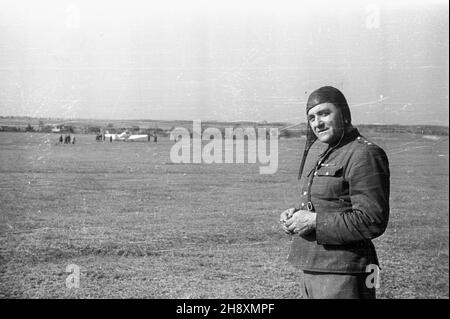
<point x="349" y="136"/>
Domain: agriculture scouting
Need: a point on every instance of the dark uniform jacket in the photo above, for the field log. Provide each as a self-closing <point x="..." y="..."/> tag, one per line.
<point x="348" y="187"/>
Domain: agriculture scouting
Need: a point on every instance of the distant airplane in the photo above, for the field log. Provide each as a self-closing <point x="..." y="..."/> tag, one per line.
<point x="56" y="129"/>
<point x="126" y="136"/>
<point x="60" y="127"/>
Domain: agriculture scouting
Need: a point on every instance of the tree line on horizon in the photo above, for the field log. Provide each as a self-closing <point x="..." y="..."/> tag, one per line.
<point x="298" y="131"/>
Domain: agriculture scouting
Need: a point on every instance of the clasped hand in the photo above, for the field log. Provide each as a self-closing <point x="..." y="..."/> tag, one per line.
<point x="300" y="222"/>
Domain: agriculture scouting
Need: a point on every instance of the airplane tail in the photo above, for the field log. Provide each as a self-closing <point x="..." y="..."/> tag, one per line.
<point x="123" y="134"/>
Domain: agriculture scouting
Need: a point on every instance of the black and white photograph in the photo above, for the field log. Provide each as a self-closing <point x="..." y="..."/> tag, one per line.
<point x="224" y="150"/>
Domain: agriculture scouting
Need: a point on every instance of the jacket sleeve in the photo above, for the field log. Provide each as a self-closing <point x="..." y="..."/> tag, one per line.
<point x="368" y="178"/>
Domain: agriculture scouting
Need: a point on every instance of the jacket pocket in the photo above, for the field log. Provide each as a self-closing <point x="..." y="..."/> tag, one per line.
<point x="329" y="184"/>
<point x="332" y="171"/>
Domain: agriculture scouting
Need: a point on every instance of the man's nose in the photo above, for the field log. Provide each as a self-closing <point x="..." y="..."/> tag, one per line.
<point x="317" y="122"/>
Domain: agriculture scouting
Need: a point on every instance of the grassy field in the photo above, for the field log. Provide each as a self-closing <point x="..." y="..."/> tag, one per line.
<point x="139" y="226"/>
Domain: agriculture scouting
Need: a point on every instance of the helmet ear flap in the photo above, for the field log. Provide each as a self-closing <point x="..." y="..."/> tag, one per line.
<point x="310" y="139"/>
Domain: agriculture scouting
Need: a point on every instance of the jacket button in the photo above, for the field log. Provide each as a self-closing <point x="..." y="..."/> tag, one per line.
<point x="305" y="193"/>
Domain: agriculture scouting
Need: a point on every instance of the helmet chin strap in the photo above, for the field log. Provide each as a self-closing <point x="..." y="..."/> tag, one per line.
<point x="344" y="128"/>
<point x="340" y="139"/>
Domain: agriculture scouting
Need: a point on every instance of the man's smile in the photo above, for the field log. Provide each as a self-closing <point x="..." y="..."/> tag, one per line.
<point x="322" y="130"/>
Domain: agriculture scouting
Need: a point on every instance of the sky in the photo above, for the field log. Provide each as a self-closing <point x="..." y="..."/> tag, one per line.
<point x="224" y="60"/>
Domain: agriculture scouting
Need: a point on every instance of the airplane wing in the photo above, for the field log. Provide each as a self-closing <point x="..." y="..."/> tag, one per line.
<point x="138" y="137"/>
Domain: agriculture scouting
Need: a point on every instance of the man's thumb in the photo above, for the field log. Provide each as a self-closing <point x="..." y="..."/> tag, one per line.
<point x="291" y="212"/>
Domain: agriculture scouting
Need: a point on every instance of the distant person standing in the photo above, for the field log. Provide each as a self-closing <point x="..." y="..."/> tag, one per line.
<point x="73" y="140"/>
<point x="343" y="204"/>
<point x="155" y="138"/>
<point x="60" y="139"/>
<point x="110" y="139"/>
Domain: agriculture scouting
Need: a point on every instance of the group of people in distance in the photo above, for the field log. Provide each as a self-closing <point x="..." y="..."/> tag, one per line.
<point x="66" y="139"/>
<point x="101" y="137"/>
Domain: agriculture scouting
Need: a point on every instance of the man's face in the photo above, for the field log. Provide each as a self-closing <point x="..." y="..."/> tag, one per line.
<point x="326" y="122"/>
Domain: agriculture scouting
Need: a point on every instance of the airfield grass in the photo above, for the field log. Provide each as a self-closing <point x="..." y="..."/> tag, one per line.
<point x="139" y="226"/>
